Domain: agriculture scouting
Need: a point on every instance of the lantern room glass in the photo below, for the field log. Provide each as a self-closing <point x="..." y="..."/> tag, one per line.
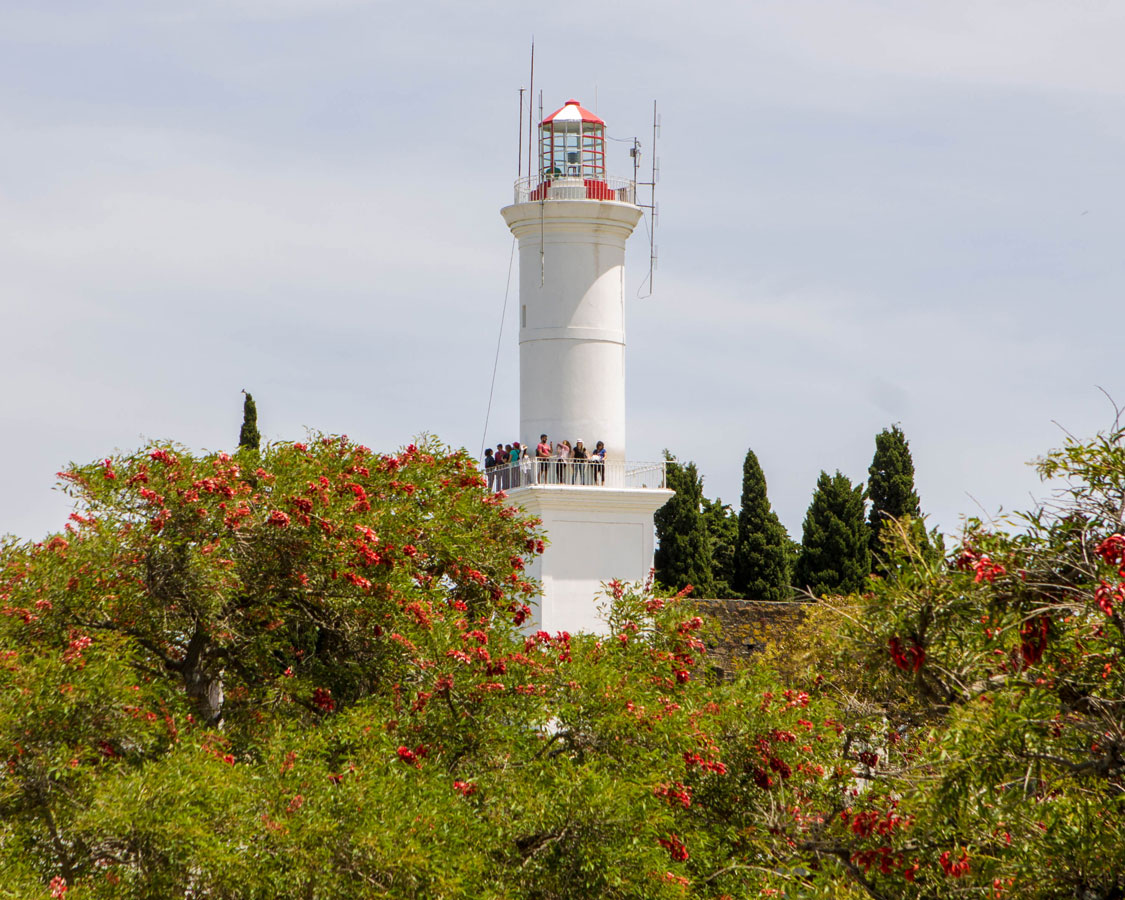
<point x="572" y="149"/>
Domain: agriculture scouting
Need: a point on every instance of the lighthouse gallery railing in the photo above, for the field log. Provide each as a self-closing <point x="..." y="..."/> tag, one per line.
<point x="533" y="188"/>
<point x="576" y="473"/>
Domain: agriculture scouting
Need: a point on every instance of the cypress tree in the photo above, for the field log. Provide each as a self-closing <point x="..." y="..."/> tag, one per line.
<point x="890" y="487"/>
<point x="835" y="556"/>
<point x="722" y="536"/>
<point x="761" y="566"/>
<point x="248" y="437"/>
<point x="683" y="555"/>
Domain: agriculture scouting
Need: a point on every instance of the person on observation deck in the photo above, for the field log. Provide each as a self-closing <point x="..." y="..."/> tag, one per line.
<point x="490" y="469"/>
<point x="599" y="463"/>
<point x="501" y="461"/>
<point x="562" y="454"/>
<point x="580" y="475"/>
<point x="514" y="462"/>
<point x="542" y="455"/>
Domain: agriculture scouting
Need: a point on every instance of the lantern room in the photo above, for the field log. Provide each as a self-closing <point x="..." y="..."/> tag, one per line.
<point x="572" y="144"/>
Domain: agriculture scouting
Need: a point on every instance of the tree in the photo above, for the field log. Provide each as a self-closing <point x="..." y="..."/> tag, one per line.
<point x="319" y="676"/>
<point x="248" y="436"/>
<point x="722" y="536"/>
<point x="761" y="565"/>
<point x="986" y="691"/>
<point x="835" y="558"/>
<point x="683" y="552"/>
<point x="890" y="486"/>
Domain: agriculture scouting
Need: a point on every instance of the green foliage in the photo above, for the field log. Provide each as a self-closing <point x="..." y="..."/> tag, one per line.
<point x="835" y="558"/>
<point x="762" y="568"/>
<point x="890" y="486"/>
<point x="248" y="436"/>
<point x="683" y="552"/>
<point x="287" y="688"/>
<point x="995" y="679"/>
<point x="211" y="688"/>
<point x="722" y="536"/>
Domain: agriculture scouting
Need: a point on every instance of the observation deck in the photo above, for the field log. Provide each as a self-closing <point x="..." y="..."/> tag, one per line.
<point x="566" y="474"/>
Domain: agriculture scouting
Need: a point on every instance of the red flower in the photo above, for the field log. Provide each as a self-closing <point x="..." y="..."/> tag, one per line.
<point x="954" y="869"/>
<point x="278" y="518"/>
<point x="322" y="698"/>
<point x="675" y="847"/>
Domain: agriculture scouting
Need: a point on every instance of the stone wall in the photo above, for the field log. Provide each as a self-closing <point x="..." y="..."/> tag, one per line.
<point x="742" y="628"/>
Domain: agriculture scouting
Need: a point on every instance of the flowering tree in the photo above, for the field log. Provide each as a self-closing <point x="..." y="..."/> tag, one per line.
<point x="303" y="675"/>
<point x="986" y="695"/>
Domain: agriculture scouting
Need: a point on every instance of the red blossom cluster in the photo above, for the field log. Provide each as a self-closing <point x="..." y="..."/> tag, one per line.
<point x="1112" y="550"/>
<point x="675" y="847"/>
<point x="464" y="787"/>
<point x="674" y="793"/>
<point x="954" y="868"/>
<point x="707" y="765"/>
<point x="322" y="699"/>
<point x="78" y="643"/>
<point x="412" y="757"/>
<point x="1033" y="639"/>
<point x="909" y="659"/>
<point x="1106" y="595"/>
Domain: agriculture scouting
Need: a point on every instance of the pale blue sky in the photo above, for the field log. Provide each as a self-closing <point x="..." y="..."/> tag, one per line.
<point x="870" y="212"/>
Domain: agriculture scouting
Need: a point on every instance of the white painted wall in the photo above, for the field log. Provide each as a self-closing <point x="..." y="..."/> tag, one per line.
<point x="572" y="319"/>
<point x="595" y="534"/>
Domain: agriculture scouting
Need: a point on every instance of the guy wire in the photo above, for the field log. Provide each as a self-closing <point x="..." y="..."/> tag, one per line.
<point x="499" y="338"/>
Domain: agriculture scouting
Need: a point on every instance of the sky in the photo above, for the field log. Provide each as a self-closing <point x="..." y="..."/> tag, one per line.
<point x="870" y="213"/>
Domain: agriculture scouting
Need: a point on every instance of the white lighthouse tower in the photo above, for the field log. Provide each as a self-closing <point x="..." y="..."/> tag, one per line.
<point x="572" y="221"/>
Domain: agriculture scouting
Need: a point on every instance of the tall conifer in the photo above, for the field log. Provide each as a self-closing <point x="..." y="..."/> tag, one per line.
<point x="683" y="555"/>
<point x="835" y="557"/>
<point x="248" y="437"/>
<point x="890" y="486"/>
<point x="761" y="563"/>
<point x="722" y="535"/>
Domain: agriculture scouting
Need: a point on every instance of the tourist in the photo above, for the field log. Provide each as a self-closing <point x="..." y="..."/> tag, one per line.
<point x="506" y="475"/>
<point x="501" y="462"/>
<point x="579" y="455"/>
<point x="514" y="463"/>
<point x="562" y="453"/>
<point x="599" y="463"/>
<point x="527" y="471"/>
<point x="490" y="469"/>
<point x="542" y="454"/>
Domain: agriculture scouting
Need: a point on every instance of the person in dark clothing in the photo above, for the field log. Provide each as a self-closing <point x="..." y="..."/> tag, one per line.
<point x="599" y="463"/>
<point x="580" y="471"/>
<point x="490" y="469"/>
<point x="501" y="462"/>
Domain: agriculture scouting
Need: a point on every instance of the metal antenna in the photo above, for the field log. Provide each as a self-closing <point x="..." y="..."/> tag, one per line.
<point x="542" y="208"/>
<point x="519" y="154"/>
<point x="530" y="95"/>
<point x="651" y="206"/>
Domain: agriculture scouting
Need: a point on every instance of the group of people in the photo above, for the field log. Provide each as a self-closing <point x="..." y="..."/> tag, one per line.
<point x="512" y="465"/>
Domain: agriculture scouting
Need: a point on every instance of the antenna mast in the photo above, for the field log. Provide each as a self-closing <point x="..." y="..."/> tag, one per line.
<point x="542" y="213"/>
<point x="530" y="96"/>
<point x="519" y="154"/>
<point x="651" y="206"/>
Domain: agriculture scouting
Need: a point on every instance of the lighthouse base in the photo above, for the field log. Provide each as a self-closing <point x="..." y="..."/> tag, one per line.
<point x="595" y="534"/>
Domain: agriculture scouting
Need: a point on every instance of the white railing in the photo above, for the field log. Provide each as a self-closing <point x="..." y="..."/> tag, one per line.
<point x="576" y="473"/>
<point x="570" y="187"/>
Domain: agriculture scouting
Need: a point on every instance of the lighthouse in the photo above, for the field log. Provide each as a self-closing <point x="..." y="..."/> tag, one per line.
<point x="571" y="221"/>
